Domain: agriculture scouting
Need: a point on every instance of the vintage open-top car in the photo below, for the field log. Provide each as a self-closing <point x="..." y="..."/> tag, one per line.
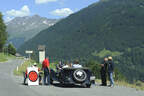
<point x="81" y="76"/>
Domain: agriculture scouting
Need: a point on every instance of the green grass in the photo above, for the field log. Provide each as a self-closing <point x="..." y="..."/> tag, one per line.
<point x="5" y="57"/>
<point x="105" y="52"/>
<point x="53" y="66"/>
<point x="138" y="85"/>
<point x="23" y="67"/>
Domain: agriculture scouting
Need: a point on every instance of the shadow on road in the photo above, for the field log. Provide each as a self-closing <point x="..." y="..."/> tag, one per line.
<point x="67" y="86"/>
<point x="23" y="84"/>
<point x="60" y="85"/>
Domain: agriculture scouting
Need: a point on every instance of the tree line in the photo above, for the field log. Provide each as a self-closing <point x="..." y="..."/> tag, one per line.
<point x="3" y="39"/>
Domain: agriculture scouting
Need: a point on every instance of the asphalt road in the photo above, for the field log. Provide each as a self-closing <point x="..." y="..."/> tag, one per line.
<point x="12" y="86"/>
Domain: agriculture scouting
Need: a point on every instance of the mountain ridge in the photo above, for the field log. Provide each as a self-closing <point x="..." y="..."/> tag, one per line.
<point x="24" y="28"/>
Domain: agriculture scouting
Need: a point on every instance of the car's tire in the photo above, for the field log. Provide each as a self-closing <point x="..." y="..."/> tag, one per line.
<point x="79" y="75"/>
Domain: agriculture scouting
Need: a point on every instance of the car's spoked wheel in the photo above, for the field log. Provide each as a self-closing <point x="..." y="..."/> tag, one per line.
<point x="80" y="75"/>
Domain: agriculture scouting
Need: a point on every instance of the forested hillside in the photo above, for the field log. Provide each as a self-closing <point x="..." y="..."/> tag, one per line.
<point x="109" y="27"/>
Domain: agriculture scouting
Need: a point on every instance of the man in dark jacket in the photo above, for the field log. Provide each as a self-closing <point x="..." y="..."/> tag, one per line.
<point x="111" y="71"/>
<point x="103" y="72"/>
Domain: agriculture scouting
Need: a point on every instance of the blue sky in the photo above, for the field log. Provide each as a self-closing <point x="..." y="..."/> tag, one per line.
<point x="44" y="8"/>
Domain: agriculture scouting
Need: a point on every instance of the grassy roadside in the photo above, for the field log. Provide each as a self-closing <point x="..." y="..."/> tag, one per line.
<point x="5" y="57"/>
<point x="137" y="85"/>
<point x="22" y="68"/>
<point x="26" y="64"/>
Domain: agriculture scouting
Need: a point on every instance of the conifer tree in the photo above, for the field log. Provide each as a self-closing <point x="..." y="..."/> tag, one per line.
<point x="3" y="33"/>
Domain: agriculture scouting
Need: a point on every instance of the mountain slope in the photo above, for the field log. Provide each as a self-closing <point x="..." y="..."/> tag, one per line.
<point x="115" y="25"/>
<point x="24" y="28"/>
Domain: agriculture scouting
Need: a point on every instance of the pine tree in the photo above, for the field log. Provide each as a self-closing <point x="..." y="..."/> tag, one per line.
<point x="11" y="49"/>
<point x="3" y="33"/>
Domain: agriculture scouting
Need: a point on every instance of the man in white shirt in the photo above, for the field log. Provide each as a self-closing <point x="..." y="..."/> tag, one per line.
<point x="76" y="64"/>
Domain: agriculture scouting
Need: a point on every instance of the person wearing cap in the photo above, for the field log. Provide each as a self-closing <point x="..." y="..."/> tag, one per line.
<point x="46" y="68"/>
<point x="111" y="71"/>
<point x="103" y="72"/>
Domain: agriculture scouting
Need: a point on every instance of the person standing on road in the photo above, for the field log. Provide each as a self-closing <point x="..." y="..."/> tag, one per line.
<point x="46" y="68"/>
<point x="103" y="72"/>
<point x="111" y="71"/>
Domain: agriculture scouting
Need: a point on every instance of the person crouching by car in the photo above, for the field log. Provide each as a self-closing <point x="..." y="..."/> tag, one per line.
<point x="46" y="68"/>
<point x="111" y="71"/>
<point x="103" y="72"/>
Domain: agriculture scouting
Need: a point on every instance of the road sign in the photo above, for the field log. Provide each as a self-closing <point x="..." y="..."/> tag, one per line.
<point x="28" y="52"/>
<point x="33" y="78"/>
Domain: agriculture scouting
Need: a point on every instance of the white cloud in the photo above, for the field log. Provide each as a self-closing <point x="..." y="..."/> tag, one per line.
<point x="7" y="19"/>
<point x="62" y="12"/>
<point x="44" y="1"/>
<point x="24" y="11"/>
